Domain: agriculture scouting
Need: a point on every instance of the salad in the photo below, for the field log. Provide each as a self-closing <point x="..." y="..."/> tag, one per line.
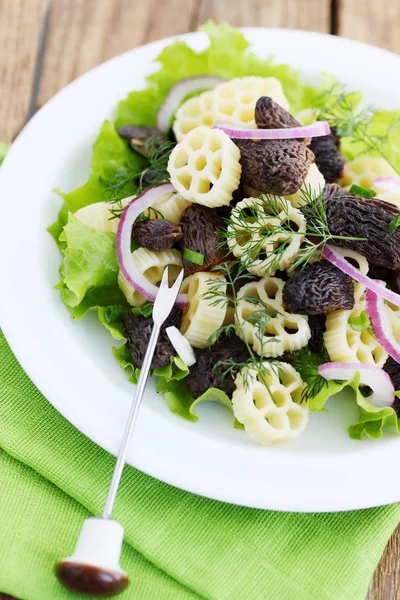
<point x="281" y="201"/>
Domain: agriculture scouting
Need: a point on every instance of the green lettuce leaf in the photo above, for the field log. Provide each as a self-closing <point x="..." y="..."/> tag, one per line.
<point x="90" y="261"/>
<point x="110" y="152"/>
<point x="125" y="360"/>
<point x="175" y="371"/>
<point x="372" y="419"/>
<point x="180" y="401"/>
<point x="56" y="228"/>
<point x="4" y="148"/>
<point x="227" y="55"/>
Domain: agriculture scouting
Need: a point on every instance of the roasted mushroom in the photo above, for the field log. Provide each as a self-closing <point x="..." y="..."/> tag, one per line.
<point x="327" y="156"/>
<point x="200" y="226"/>
<point x="137" y="330"/>
<point x="139" y="133"/>
<point x="270" y="115"/>
<point x="203" y="375"/>
<point x="318" y="289"/>
<point x="392" y="368"/>
<point x="157" y="234"/>
<point x="367" y="218"/>
<point x="395" y="282"/>
<point x="317" y="324"/>
<point x="274" y="166"/>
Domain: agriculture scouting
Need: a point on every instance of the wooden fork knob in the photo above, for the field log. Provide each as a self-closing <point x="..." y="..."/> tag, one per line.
<point x="87" y="579"/>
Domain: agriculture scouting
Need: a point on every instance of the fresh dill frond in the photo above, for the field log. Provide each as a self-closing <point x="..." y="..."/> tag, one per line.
<point x="306" y="364"/>
<point x="135" y="176"/>
<point x="265" y="245"/>
<point x="339" y="108"/>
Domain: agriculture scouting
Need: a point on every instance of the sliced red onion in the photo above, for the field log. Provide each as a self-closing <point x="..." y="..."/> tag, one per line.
<point x="178" y="92"/>
<point x="380" y="323"/>
<point x="389" y="184"/>
<point x="331" y="254"/>
<point x="317" y="129"/>
<point x="181" y="345"/>
<point x="370" y="375"/>
<point x="124" y="234"/>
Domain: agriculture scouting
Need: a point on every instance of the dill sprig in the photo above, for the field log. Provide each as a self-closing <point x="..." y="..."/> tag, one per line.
<point x="133" y="178"/>
<point x="245" y="228"/>
<point x="306" y="364"/>
<point x="223" y="292"/>
<point x="338" y="107"/>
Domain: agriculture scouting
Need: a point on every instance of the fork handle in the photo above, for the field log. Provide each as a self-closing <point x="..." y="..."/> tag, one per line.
<point x="133" y="413"/>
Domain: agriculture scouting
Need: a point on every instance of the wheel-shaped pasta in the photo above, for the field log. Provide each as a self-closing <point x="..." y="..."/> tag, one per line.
<point x="151" y="265"/>
<point x="361" y="264"/>
<point x="235" y="101"/>
<point x="193" y="113"/>
<point x="347" y="345"/>
<point x="258" y="227"/>
<point x="201" y="318"/>
<point x="205" y="167"/>
<point x="171" y="205"/>
<point x="274" y="413"/>
<point x="99" y="215"/>
<point x="363" y="170"/>
<point x="312" y="187"/>
<point x="281" y="331"/>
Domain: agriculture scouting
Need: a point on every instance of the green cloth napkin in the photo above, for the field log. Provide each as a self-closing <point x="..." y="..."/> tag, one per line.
<point x="178" y="546"/>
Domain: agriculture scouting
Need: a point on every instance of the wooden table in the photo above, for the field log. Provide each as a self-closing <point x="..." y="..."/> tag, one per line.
<point x="47" y="43"/>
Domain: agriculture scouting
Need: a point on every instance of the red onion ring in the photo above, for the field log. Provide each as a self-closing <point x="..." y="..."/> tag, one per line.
<point x="123" y="242"/>
<point x="389" y="184"/>
<point x="178" y="92"/>
<point x="317" y="129"/>
<point x="331" y="254"/>
<point x="370" y="375"/>
<point x="380" y="323"/>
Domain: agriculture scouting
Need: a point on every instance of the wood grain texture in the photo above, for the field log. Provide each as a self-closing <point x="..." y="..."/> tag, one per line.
<point x="376" y="23"/>
<point x="385" y="584"/>
<point x="85" y="33"/>
<point x="20" y="30"/>
<point x="313" y="15"/>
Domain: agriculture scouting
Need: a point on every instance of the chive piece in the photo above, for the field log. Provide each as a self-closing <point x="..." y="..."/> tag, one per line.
<point x="358" y="190"/>
<point x="194" y="257"/>
<point x="360" y="323"/>
<point x="394" y="224"/>
<point x="143" y="311"/>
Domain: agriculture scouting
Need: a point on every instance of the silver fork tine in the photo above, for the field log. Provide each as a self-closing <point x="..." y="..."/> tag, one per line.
<point x="163" y="305"/>
<point x="166" y="297"/>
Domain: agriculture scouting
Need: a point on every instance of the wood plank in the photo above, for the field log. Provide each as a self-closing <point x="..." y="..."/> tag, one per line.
<point x="20" y="32"/>
<point x="85" y="33"/>
<point x="385" y="584"/>
<point x="376" y="23"/>
<point x="295" y="14"/>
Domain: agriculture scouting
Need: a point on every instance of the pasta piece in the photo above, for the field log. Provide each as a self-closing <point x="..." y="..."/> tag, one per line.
<point x="205" y="168"/>
<point x="171" y="205"/>
<point x="151" y="265"/>
<point x="313" y="185"/>
<point x="99" y="215"/>
<point x="361" y="263"/>
<point x="193" y="113"/>
<point x="284" y="331"/>
<point x="346" y="345"/>
<point x="391" y="196"/>
<point x="250" y="218"/>
<point x="234" y="101"/>
<point x="363" y="170"/>
<point x="201" y="318"/>
<point x="274" y="413"/>
<point x="308" y="116"/>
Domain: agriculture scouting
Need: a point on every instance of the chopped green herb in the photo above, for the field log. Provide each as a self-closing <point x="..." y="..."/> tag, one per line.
<point x="394" y="224"/>
<point x="143" y="311"/>
<point x="360" y="323"/>
<point x="358" y="190"/>
<point x="194" y="257"/>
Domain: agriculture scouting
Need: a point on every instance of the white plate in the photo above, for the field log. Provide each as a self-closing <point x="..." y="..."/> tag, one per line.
<point x="71" y="362"/>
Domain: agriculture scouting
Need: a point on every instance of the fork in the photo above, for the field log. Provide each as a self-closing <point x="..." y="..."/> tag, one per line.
<point x="94" y="567"/>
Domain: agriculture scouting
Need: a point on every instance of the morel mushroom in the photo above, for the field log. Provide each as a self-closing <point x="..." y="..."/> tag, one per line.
<point x="138" y="133"/>
<point x="203" y="375"/>
<point x="157" y="234"/>
<point x="317" y="325"/>
<point x="200" y="226"/>
<point x="367" y="218"/>
<point x="327" y="156"/>
<point x="270" y="115"/>
<point x="274" y="166"/>
<point x="137" y="330"/>
<point x="318" y="290"/>
<point x="392" y="368"/>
